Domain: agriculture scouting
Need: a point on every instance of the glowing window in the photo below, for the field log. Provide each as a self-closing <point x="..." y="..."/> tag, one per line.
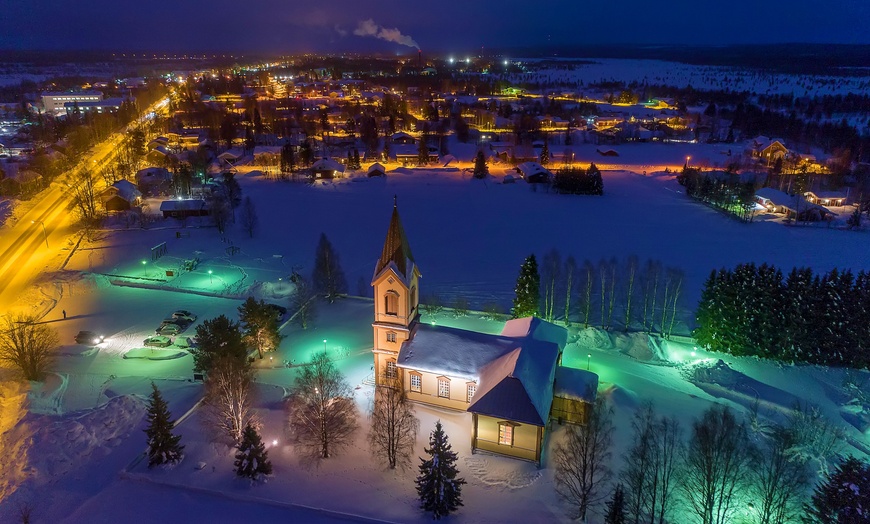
<point x="416" y="383"/>
<point x="505" y="434"/>
<point x="392" y="372"/>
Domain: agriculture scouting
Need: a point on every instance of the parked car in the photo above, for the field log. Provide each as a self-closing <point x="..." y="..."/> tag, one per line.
<point x="185" y="342"/>
<point x="183" y="314"/>
<point x="157" y="342"/>
<point x="280" y="311"/>
<point x="168" y="328"/>
<point x="89" y="338"/>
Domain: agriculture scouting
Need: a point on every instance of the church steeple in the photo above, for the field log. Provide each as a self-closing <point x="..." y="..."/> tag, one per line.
<point x="396" y="248"/>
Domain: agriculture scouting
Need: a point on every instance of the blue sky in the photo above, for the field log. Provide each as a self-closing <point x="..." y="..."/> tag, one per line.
<point x="448" y="25"/>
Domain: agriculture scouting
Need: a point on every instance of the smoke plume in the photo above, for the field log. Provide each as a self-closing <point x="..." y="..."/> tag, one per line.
<point x="370" y="28"/>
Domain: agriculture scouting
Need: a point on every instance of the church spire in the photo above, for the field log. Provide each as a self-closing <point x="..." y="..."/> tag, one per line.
<point x="396" y="248"/>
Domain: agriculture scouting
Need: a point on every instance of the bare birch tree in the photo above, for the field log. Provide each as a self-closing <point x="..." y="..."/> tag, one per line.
<point x="779" y="478"/>
<point x="84" y="196"/>
<point x="674" y="289"/>
<point x="581" y="460"/>
<point x="322" y="412"/>
<point x="550" y="273"/>
<point x="611" y="292"/>
<point x="717" y="464"/>
<point x="394" y="426"/>
<point x="229" y="397"/>
<point x="570" y="269"/>
<point x="652" y="275"/>
<point x="249" y="218"/>
<point x="27" y="345"/>
<point x="630" y="277"/>
<point x="589" y="276"/>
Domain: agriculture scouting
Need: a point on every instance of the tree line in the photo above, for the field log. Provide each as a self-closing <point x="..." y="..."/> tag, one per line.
<point x="578" y="181"/>
<point x="723" y="191"/>
<point x="611" y="294"/>
<point x="728" y="469"/>
<point x="802" y="317"/>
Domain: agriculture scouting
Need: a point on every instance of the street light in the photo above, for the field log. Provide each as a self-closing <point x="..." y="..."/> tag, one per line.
<point x="44" y="233"/>
<point x="324" y="344"/>
<point x="588" y="360"/>
<point x="145" y="267"/>
<point x="209" y="276"/>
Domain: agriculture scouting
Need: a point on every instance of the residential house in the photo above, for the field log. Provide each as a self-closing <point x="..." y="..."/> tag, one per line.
<point x="327" y="168"/>
<point x="826" y="198"/>
<point x="534" y="173"/>
<point x="377" y="169"/>
<point x="184" y="208"/>
<point x="120" y="196"/>
<point x="154" y="180"/>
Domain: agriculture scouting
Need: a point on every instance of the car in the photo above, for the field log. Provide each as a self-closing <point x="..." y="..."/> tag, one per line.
<point x="280" y="311"/>
<point x="89" y="338"/>
<point x="183" y="314"/>
<point x="168" y="328"/>
<point x="157" y="342"/>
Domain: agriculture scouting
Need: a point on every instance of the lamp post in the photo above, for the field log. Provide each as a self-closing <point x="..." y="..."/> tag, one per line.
<point x="145" y="267"/>
<point x="44" y="233"/>
<point x="209" y="276"/>
<point x="324" y="344"/>
<point x="588" y="360"/>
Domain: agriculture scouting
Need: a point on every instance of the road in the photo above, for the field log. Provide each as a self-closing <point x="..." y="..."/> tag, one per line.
<point x="37" y="237"/>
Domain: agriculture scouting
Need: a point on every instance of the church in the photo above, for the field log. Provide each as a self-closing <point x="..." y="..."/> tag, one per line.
<point x="513" y="384"/>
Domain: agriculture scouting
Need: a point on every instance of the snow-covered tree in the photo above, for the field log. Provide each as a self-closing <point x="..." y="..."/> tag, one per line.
<point x="438" y="487"/>
<point x="163" y="446"/>
<point x="252" y="459"/>
<point x="779" y="478"/>
<point x="843" y="497"/>
<point x="528" y="290"/>
<point x="545" y="153"/>
<point x="328" y="277"/>
<point x="303" y="302"/>
<point x="393" y="425"/>
<point x="582" y="460"/>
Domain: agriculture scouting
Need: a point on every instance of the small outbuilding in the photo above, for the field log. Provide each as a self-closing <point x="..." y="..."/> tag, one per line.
<point x="184" y="208"/>
<point x="327" y="168"/>
<point x="377" y="169"/>
<point x="120" y="196"/>
<point x="534" y="173"/>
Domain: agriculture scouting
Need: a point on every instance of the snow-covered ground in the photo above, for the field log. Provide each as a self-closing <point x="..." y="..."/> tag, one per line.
<point x="468" y="237"/>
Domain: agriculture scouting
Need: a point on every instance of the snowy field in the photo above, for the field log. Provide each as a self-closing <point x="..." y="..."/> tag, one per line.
<point x="469" y="238"/>
<point x="658" y="72"/>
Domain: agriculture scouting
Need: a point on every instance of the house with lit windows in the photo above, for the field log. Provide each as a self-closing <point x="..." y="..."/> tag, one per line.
<point x="512" y="383"/>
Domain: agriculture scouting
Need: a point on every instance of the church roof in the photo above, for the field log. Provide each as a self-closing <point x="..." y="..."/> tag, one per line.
<point x="396" y="249"/>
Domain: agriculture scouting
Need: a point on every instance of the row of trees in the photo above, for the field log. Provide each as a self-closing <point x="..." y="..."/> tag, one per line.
<point x="610" y="293"/>
<point x="726" y="468"/>
<point x="727" y="192"/>
<point x="578" y="181"/>
<point x="804" y="317"/>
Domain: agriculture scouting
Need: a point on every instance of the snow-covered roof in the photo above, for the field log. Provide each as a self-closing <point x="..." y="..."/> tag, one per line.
<point x="528" y="169"/>
<point x="377" y="167"/>
<point x="575" y="384"/>
<point x="231" y="154"/>
<point x="826" y="194"/>
<point x="514" y="370"/>
<point x="327" y="164"/>
<point x="124" y="189"/>
<point x="267" y="150"/>
<point x="776" y="196"/>
<point x="182" y="205"/>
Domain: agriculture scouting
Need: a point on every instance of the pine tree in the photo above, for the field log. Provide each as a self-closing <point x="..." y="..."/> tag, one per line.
<point x="356" y="162"/>
<point x="252" y="459"/>
<point x="843" y="497"/>
<point x="480" y="169"/>
<point x="259" y="325"/>
<point x="163" y="446"/>
<point x="528" y="289"/>
<point x="437" y="485"/>
<point x="616" y="507"/>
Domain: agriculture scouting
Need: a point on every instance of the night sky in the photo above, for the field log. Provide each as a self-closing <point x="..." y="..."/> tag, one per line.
<point x="444" y="26"/>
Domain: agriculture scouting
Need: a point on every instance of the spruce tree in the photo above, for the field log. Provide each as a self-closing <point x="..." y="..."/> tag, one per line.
<point x="616" y="507"/>
<point x="843" y="496"/>
<point x="439" y="489"/>
<point x="527" y="290"/>
<point x="356" y="162"/>
<point x="480" y="169"/>
<point x="252" y="459"/>
<point x="545" y="153"/>
<point x="163" y="446"/>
